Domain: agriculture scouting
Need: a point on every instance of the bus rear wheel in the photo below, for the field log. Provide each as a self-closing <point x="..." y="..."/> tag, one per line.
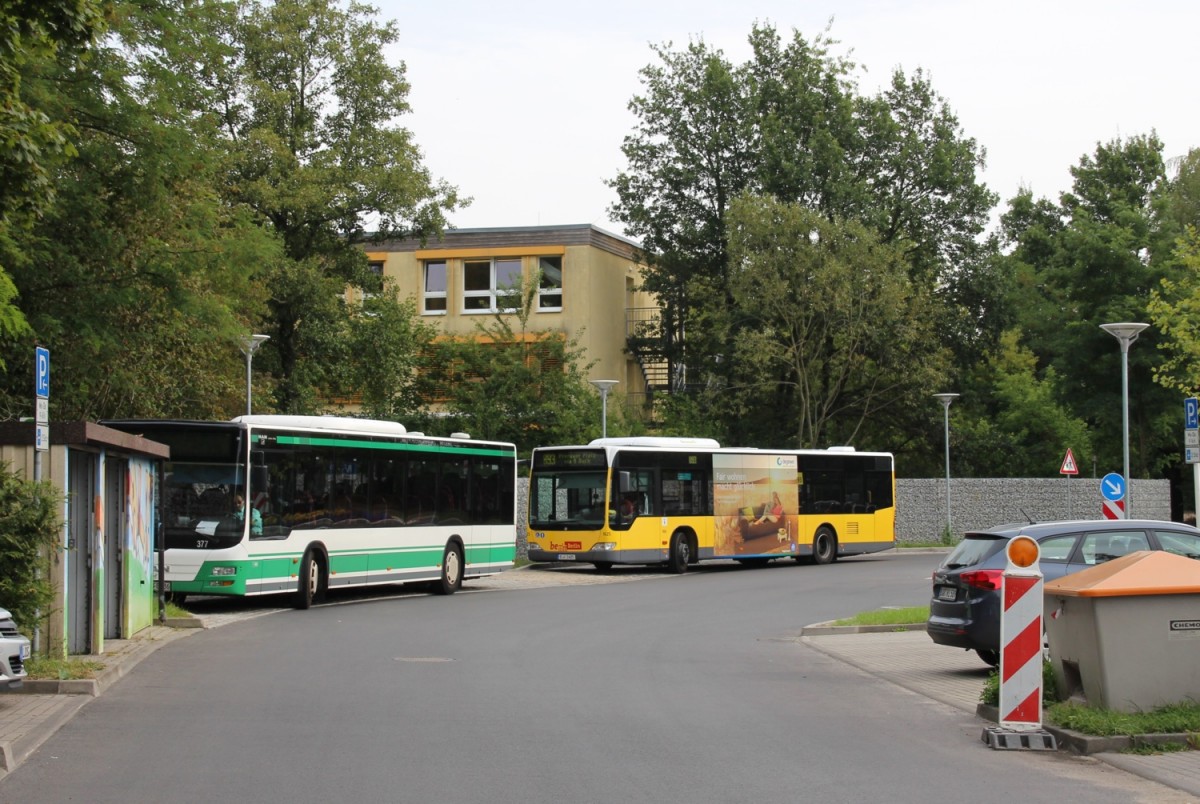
<point x="450" y="579"/>
<point x="308" y="589"/>
<point x="824" y="548"/>
<point x="680" y="554"/>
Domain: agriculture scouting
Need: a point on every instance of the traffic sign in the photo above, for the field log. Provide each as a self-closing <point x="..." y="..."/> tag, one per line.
<point x="1069" y="467"/>
<point x="1112" y="486"/>
<point x="41" y="371"/>
<point x="1191" y="413"/>
<point x="1113" y="509"/>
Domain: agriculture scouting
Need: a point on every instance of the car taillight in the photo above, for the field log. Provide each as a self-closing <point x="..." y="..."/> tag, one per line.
<point x="983" y="579"/>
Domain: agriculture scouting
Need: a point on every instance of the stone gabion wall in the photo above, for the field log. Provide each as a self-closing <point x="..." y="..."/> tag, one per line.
<point x="979" y="503"/>
<point x="985" y="502"/>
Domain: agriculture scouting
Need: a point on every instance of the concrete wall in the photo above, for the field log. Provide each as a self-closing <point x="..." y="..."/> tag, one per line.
<point x="979" y="503"/>
<point x="983" y="502"/>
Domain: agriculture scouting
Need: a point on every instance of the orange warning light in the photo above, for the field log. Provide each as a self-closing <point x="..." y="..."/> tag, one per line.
<point x="1023" y="551"/>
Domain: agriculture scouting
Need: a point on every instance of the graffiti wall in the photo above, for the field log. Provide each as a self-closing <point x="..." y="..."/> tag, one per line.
<point x="138" y="545"/>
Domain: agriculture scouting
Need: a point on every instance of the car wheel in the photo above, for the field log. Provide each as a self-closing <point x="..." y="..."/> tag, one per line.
<point x="991" y="657"/>
<point x="308" y="589"/>
<point x="450" y="580"/>
<point x="680" y="554"/>
<point x="824" y="548"/>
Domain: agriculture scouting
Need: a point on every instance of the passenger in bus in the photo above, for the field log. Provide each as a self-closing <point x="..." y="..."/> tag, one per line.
<point x="239" y="512"/>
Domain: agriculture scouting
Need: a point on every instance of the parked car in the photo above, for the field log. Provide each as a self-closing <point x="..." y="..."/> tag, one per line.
<point x="965" y="609"/>
<point x="14" y="650"/>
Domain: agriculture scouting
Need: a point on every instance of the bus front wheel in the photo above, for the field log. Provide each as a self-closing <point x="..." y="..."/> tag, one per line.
<point x="309" y="587"/>
<point x="680" y="554"/>
<point x="824" y="548"/>
<point x="450" y="579"/>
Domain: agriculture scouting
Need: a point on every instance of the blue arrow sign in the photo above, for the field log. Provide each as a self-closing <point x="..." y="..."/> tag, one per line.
<point x="1191" y="413"/>
<point x="1112" y="486"/>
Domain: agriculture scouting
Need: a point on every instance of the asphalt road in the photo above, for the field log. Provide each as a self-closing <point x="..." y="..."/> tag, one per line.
<point x="657" y="689"/>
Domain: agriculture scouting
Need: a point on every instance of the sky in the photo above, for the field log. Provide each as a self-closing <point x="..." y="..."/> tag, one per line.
<point x="523" y="105"/>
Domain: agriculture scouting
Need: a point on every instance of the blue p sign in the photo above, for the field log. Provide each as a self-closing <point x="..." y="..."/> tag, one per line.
<point x="41" y="371"/>
<point x="1191" y="413"/>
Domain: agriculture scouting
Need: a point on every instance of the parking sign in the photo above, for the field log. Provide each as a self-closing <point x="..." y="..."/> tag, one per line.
<point x="41" y="372"/>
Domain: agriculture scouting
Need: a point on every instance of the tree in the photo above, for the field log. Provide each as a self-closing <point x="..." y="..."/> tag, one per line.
<point x="790" y="123"/>
<point x="1011" y="421"/>
<point x="1095" y="258"/>
<point x="137" y="274"/>
<point x="132" y="271"/>
<point x="832" y="332"/>
<point x="1174" y="309"/>
<point x="384" y="344"/>
<point x="510" y="383"/>
<point x="308" y="102"/>
<point x="37" y="38"/>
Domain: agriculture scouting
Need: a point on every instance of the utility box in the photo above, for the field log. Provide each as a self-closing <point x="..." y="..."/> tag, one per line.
<point x="1126" y="633"/>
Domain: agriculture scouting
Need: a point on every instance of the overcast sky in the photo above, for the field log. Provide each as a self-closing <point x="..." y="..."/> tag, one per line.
<point x="523" y="105"/>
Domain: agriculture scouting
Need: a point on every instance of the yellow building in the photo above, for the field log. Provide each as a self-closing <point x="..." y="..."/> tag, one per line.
<point x="589" y="288"/>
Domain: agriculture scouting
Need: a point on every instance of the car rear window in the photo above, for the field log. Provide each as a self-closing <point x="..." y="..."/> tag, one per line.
<point x="974" y="547"/>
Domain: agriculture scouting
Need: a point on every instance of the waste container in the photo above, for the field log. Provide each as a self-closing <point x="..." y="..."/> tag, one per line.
<point x="1126" y="633"/>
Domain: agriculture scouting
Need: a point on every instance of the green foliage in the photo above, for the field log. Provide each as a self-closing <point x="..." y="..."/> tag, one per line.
<point x="512" y="384"/>
<point x="308" y="102"/>
<point x="1094" y="258"/>
<point x="897" y="616"/>
<point x="1178" y="718"/>
<point x="1010" y="422"/>
<point x="28" y="534"/>
<point x="790" y="124"/>
<point x="383" y="348"/>
<point x="828" y="331"/>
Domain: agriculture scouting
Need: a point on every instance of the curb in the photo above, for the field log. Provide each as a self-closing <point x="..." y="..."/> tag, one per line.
<point x="1088" y="744"/>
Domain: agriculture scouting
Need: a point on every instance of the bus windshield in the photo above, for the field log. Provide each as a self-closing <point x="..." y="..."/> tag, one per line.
<point x="200" y="505"/>
<point x="568" y="499"/>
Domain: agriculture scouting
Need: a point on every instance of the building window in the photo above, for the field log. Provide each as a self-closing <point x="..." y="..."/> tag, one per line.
<point x="491" y="286"/>
<point x="435" y="287"/>
<point x="375" y="268"/>
<point x="550" y="285"/>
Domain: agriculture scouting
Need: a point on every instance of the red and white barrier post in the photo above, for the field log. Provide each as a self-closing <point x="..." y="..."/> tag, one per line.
<point x="1021" y="637"/>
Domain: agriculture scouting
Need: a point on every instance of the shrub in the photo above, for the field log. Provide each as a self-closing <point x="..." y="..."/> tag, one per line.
<point x="29" y="527"/>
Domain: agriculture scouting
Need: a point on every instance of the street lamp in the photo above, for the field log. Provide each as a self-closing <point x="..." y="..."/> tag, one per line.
<point x="605" y="386"/>
<point x="250" y="344"/>
<point x="946" y="399"/>
<point x="1126" y="333"/>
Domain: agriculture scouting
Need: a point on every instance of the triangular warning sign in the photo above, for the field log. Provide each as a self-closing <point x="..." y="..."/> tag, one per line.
<point x="1068" y="464"/>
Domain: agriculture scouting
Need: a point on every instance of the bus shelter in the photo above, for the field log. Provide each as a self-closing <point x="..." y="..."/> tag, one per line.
<point x="103" y="566"/>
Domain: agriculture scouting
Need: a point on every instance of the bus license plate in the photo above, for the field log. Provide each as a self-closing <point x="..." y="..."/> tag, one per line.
<point x="947" y="593"/>
<point x="566" y="556"/>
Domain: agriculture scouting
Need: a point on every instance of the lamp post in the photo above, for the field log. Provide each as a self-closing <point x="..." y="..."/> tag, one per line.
<point x="946" y="399"/>
<point x="250" y="344"/>
<point x="605" y="386"/>
<point x="1126" y="333"/>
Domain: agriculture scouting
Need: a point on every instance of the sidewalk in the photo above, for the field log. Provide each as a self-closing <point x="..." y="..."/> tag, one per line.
<point x="913" y="661"/>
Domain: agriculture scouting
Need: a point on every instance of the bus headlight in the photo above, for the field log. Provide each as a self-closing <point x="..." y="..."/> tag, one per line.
<point x="604" y="546"/>
<point x="224" y="571"/>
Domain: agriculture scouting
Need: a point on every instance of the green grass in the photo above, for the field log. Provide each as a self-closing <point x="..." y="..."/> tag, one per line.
<point x="1171" y="719"/>
<point x="894" y="616"/>
<point x="175" y="610"/>
<point x="47" y="668"/>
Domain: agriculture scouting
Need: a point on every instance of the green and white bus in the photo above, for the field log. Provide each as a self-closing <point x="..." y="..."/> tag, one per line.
<point x="271" y="504"/>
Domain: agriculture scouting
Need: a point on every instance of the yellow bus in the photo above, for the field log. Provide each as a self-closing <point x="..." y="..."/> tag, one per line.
<point x="679" y="501"/>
